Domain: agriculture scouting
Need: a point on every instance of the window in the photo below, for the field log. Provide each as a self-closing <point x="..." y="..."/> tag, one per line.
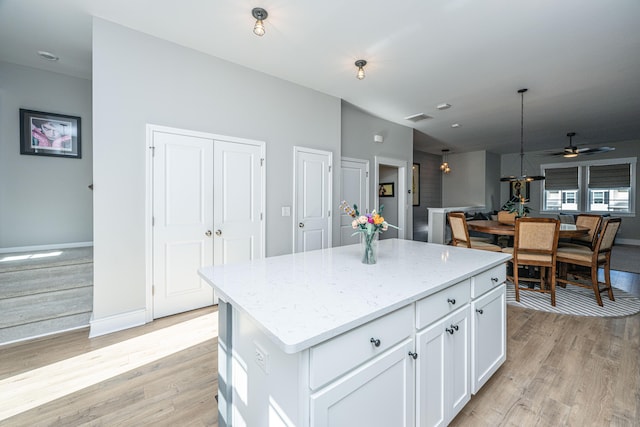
<point x="595" y="186"/>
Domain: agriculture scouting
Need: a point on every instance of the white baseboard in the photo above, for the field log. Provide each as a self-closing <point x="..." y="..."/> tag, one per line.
<point x="45" y="247"/>
<point x="632" y="242"/>
<point x="116" y="323"/>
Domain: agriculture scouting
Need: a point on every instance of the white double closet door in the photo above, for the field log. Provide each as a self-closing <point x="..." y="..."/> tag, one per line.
<point x="208" y="204"/>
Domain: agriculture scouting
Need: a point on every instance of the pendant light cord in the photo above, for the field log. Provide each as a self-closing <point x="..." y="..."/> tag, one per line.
<point x="522" y="91"/>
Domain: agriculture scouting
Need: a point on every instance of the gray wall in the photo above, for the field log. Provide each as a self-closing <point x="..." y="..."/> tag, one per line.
<point x="430" y="191"/>
<point x="43" y="200"/>
<point x="465" y="184"/>
<point x="492" y="185"/>
<point x="139" y="79"/>
<point x="510" y="165"/>
<point x="358" y="130"/>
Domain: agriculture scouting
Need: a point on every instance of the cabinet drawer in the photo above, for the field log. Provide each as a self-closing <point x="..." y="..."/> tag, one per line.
<point x="435" y="306"/>
<point x="345" y="352"/>
<point x="488" y="280"/>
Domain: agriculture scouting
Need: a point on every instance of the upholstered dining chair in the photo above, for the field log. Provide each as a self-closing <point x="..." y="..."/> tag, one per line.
<point x="592" y="222"/>
<point x="584" y="256"/>
<point x="535" y="243"/>
<point x="460" y="234"/>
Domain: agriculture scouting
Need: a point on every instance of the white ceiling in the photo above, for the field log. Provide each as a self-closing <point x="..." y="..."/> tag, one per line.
<point x="580" y="59"/>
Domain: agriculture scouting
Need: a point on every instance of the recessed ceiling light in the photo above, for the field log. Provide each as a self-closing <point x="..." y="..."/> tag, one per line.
<point x="48" y="55"/>
<point x="417" y="117"/>
<point x="456" y="125"/>
<point x="443" y="106"/>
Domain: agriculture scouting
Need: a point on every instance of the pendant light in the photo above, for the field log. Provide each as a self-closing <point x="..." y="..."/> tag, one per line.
<point x="444" y="167"/>
<point x="522" y="177"/>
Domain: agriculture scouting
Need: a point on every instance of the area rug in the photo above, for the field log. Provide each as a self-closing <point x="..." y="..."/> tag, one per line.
<point x="576" y="301"/>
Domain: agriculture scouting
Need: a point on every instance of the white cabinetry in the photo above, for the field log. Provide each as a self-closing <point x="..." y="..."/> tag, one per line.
<point x="443" y="386"/>
<point x="489" y="340"/>
<point x="378" y="393"/>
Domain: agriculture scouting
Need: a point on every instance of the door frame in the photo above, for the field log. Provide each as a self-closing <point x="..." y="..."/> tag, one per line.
<point x="297" y="149"/>
<point x="148" y="217"/>
<point x="402" y="190"/>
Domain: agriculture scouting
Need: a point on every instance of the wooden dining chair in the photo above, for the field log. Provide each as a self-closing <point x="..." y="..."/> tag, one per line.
<point x="593" y="223"/>
<point x="535" y="244"/>
<point x="460" y="234"/>
<point x="599" y="256"/>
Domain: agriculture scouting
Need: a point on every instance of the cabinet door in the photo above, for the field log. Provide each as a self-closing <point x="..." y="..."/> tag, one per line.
<point x="378" y="393"/>
<point x="443" y="377"/>
<point x="489" y="337"/>
<point x="430" y="375"/>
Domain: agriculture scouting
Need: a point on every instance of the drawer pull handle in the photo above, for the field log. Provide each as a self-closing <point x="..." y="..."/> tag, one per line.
<point x="375" y="342"/>
<point x="451" y="301"/>
<point x="494" y="279"/>
<point x="479" y="311"/>
<point x="414" y="355"/>
<point x="451" y="331"/>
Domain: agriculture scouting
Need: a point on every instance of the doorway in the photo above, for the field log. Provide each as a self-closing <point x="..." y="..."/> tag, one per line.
<point x="385" y="165"/>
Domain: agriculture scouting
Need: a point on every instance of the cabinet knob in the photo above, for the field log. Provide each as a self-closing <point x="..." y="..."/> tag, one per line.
<point x="456" y="327"/>
<point x="208" y="233"/>
<point x="479" y="311"/>
<point x="414" y="355"/>
<point x="494" y="279"/>
<point x="375" y="342"/>
<point x="451" y="331"/>
<point x="301" y="224"/>
<point x="451" y="301"/>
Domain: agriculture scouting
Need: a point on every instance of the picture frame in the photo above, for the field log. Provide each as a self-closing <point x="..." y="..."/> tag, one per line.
<point x="50" y="134"/>
<point x="516" y="189"/>
<point x="386" y="189"/>
<point x="415" y="184"/>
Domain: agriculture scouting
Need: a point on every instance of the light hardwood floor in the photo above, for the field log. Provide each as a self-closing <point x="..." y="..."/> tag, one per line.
<point x="560" y="370"/>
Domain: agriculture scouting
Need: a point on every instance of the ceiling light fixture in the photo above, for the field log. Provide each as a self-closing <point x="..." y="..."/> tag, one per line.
<point x="444" y="167"/>
<point x="48" y="56"/>
<point x="260" y="14"/>
<point x="570" y="151"/>
<point x="522" y="177"/>
<point x="360" y="63"/>
<point x="444" y="106"/>
<point x="456" y="125"/>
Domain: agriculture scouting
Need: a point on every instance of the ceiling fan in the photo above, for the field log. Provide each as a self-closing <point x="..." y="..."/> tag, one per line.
<point x="573" y="151"/>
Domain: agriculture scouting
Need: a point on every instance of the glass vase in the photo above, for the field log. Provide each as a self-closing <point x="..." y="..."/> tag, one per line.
<point x="369" y="248"/>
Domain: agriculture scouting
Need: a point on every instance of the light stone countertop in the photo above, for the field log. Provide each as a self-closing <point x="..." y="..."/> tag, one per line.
<point x="300" y="300"/>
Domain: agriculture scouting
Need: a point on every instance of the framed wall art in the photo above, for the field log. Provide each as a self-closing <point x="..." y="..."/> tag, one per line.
<point x="49" y="134"/>
<point x="386" y="189"/>
<point x="415" y="184"/>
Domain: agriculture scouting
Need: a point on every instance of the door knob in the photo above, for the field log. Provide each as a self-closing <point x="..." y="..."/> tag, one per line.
<point x="301" y="225"/>
<point x="218" y="232"/>
<point x="208" y="233"/>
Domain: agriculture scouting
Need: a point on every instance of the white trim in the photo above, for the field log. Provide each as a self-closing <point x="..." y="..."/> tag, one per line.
<point x="632" y="242"/>
<point x="48" y="334"/>
<point x="117" y="323"/>
<point x="403" y="209"/>
<point x="45" y="247"/>
<point x="297" y="149"/>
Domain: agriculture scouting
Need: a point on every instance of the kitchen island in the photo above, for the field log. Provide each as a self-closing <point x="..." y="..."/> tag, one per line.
<point x="318" y="338"/>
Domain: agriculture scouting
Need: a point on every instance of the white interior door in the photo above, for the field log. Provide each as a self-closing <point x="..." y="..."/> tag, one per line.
<point x="193" y="173"/>
<point x="312" y="199"/>
<point x="238" y="208"/>
<point x="354" y="188"/>
<point x="183" y="214"/>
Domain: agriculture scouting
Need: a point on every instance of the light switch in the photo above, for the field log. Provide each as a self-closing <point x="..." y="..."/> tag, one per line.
<point x="286" y="211"/>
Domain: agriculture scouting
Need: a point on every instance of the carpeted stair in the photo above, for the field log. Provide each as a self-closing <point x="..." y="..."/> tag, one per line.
<point x="45" y="292"/>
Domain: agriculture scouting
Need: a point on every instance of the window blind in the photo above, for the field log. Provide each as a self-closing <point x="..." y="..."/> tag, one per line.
<point x="561" y="178"/>
<point x="610" y="176"/>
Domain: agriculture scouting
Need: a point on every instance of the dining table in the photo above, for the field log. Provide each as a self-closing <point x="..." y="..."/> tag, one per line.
<point x="508" y="229"/>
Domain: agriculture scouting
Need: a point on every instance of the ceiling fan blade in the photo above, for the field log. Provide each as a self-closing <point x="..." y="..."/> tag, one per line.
<point x="597" y="150"/>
